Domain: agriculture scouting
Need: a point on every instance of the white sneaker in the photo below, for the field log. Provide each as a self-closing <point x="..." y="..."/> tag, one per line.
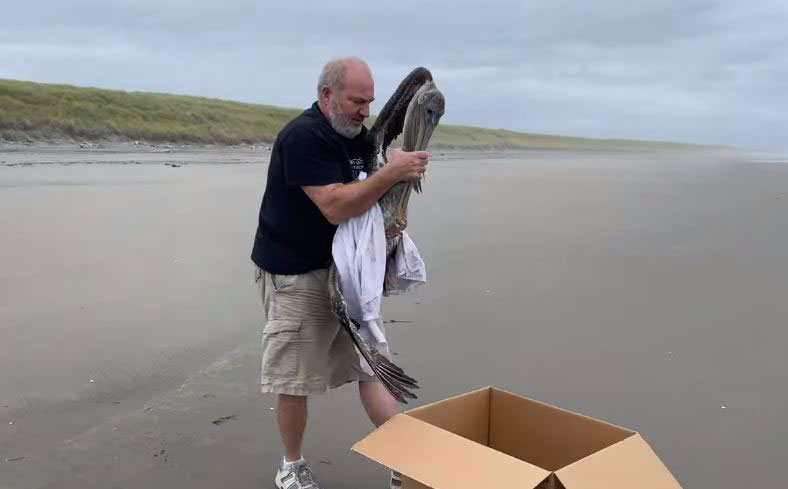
<point x="297" y="475"/>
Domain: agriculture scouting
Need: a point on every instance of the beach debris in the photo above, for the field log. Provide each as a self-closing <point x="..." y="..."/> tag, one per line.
<point x="723" y="407"/>
<point x="223" y="419"/>
<point x="14" y="459"/>
<point x="92" y="381"/>
<point x="174" y="165"/>
<point x="175" y="260"/>
<point x="325" y="462"/>
<point x="670" y="353"/>
<point x="271" y="408"/>
<point x="11" y="423"/>
<point x="393" y="321"/>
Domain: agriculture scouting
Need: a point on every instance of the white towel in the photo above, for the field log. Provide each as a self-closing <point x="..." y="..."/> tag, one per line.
<point x="359" y="252"/>
<point x="405" y="269"/>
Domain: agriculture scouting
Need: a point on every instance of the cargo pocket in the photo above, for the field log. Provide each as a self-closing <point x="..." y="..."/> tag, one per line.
<point x="280" y="350"/>
<point x="276" y="326"/>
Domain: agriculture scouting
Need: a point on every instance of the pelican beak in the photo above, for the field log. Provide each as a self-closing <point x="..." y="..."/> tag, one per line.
<point x="425" y="122"/>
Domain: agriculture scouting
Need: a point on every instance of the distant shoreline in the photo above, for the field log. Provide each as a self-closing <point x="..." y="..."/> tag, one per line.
<point x="68" y="153"/>
<point x="40" y="113"/>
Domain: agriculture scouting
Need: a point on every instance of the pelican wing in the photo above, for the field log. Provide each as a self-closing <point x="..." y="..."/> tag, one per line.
<point x="391" y="119"/>
<point x="391" y="376"/>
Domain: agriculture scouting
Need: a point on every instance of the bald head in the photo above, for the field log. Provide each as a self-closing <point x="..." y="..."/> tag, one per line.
<point x="335" y="72"/>
<point x="345" y="90"/>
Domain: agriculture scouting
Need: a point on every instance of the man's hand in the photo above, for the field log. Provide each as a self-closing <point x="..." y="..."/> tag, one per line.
<point x="406" y="166"/>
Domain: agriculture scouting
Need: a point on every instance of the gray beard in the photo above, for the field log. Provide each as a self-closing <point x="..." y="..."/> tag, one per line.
<point x="341" y="123"/>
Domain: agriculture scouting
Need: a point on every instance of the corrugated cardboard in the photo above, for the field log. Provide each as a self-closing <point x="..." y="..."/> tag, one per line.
<point x="490" y="438"/>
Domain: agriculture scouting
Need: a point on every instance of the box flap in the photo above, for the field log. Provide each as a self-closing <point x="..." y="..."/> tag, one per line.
<point x="467" y="415"/>
<point x="627" y="464"/>
<point x="442" y="460"/>
<point x="544" y="435"/>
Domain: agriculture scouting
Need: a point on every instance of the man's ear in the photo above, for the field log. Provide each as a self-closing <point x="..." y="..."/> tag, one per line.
<point x="324" y="93"/>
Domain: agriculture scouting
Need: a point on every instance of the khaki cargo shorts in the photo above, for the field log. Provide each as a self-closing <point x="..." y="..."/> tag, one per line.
<point x="305" y="349"/>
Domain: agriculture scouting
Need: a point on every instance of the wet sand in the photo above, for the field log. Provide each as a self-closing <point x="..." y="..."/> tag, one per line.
<point x="644" y="289"/>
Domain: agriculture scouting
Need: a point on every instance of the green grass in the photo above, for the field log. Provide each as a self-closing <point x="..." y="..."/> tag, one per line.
<point x="37" y="111"/>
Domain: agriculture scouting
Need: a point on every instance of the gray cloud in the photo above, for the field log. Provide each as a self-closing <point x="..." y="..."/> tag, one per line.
<point x="687" y="70"/>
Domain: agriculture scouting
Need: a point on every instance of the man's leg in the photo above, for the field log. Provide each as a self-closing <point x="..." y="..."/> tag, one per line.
<point x="293" y="471"/>
<point x="377" y="401"/>
<point x="380" y="407"/>
<point x="296" y="341"/>
<point x="291" y="418"/>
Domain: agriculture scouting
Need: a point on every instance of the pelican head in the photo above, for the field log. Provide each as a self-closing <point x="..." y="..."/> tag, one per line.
<point x="424" y="112"/>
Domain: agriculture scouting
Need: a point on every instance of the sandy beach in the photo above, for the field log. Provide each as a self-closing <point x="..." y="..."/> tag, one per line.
<point x="645" y="289"/>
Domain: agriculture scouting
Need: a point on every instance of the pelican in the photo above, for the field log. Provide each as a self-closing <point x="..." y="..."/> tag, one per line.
<point x="414" y="111"/>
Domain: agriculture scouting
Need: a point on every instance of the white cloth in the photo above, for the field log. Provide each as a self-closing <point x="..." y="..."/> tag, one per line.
<point x="405" y="268"/>
<point x="359" y="253"/>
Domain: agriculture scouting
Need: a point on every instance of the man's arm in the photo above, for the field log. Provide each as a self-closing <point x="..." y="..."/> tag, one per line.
<point x="340" y="201"/>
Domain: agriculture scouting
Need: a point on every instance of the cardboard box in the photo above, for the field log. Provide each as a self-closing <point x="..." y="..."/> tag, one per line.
<point x="490" y="438"/>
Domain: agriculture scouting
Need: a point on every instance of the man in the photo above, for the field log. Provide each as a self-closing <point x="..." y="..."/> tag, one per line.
<point x="311" y="188"/>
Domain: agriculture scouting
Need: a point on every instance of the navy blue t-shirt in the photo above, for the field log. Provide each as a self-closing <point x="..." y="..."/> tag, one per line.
<point x="292" y="235"/>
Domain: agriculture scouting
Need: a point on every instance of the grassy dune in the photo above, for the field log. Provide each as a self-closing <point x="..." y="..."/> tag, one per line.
<point x="36" y="111"/>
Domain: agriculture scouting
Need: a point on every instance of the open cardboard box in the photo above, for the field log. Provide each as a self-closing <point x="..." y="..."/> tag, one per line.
<point x="490" y="438"/>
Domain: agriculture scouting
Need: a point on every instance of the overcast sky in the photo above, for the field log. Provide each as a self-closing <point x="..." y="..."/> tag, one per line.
<point x="703" y="71"/>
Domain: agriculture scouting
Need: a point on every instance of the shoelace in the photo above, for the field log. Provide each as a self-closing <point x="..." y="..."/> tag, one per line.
<point x="304" y="476"/>
<point x="396" y="479"/>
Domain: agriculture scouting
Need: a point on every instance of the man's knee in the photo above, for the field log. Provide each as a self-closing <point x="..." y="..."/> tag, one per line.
<point x="290" y="399"/>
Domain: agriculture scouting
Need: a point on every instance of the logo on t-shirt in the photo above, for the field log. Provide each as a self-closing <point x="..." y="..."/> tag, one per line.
<point x="357" y="165"/>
